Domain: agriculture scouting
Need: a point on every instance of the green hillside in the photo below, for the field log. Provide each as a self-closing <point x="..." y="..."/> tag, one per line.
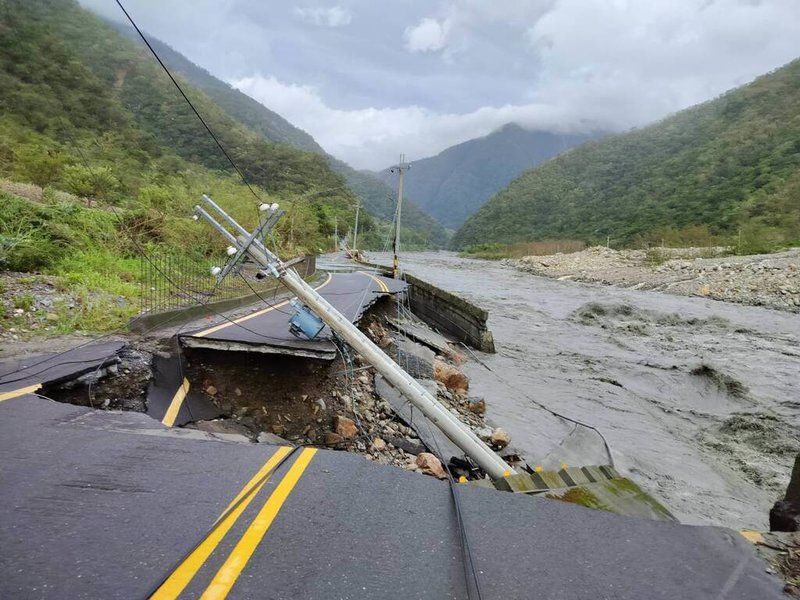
<point x="420" y="229"/>
<point x="459" y="180"/>
<point x="92" y="122"/>
<point x="728" y="166"/>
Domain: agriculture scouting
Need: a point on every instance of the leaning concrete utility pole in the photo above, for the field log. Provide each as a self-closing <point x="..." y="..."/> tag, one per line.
<point x="461" y="435"/>
<point x="401" y="169"/>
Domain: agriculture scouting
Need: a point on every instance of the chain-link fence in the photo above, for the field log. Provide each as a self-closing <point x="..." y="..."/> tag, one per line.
<point x="172" y="281"/>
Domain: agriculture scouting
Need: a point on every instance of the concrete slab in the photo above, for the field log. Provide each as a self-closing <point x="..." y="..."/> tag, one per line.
<point x="415" y="359"/>
<point x="267" y="329"/>
<point x="422" y="334"/>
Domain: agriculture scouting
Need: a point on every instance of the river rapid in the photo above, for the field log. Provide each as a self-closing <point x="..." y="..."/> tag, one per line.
<point x="698" y="399"/>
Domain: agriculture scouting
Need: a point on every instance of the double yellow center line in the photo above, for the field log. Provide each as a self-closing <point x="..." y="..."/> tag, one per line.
<point x="258" y="313"/>
<point x="383" y="287"/>
<point x="226" y="576"/>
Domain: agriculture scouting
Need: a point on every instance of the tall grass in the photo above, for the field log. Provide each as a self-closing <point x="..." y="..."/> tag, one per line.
<point x="520" y="249"/>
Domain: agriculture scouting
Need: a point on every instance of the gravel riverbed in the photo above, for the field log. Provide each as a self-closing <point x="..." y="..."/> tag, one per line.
<point x="771" y="280"/>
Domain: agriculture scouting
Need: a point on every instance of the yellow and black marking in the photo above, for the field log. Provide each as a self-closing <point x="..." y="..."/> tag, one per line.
<point x="225" y="578"/>
<point x="542" y="481"/>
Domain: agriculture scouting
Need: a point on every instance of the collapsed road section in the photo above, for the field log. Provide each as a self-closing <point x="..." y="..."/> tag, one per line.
<point x="120" y="500"/>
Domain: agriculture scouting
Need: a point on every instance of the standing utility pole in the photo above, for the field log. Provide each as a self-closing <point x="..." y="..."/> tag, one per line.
<point x="401" y="169"/>
<point x="250" y="244"/>
<point x="355" y="231"/>
<point x="335" y="234"/>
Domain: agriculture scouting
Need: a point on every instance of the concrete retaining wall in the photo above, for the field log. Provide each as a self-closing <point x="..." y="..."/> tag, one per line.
<point x="447" y="312"/>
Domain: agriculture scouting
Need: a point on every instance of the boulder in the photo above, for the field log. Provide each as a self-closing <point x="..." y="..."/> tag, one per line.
<point x="477" y="405"/>
<point x="500" y="438"/>
<point x="345" y="427"/>
<point x="453" y="379"/>
<point x="333" y="439"/>
<point x="431" y="465"/>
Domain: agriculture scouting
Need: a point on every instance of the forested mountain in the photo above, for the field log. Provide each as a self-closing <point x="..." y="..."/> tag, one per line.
<point x="420" y="229"/>
<point x="459" y="180"/>
<point x="87" y="111"/>
<point x="730" y="165"/>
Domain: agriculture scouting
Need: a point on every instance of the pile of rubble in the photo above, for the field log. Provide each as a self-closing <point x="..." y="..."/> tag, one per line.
<point x="344" y="407"/>
<point x="377" y="430"/>
<point x="771" y="280"/>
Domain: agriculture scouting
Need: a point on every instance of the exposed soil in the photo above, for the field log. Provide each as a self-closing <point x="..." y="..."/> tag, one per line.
<point x="276" y="398"/>
<point x="771" y="280"/>
<point x="117" y="385"/>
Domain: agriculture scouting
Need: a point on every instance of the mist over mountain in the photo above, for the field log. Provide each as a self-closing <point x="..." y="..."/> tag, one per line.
<point x="730" y="165"/>
<point x="459" y="180"/>
<point x="378" y="198"/>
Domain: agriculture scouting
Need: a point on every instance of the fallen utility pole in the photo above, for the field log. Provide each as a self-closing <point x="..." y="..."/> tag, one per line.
<point x="455" y="430"/>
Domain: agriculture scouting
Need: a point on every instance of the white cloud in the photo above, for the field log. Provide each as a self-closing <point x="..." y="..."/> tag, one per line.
<point x="429" y="35"/>
<point x="468" y="67"/>
<point x="663" y="54"/>
<point x="373" y="137"/>
<point x="335" y="16"/>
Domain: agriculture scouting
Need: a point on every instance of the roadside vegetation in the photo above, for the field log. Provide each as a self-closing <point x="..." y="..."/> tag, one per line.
<point x="102" y="160"/>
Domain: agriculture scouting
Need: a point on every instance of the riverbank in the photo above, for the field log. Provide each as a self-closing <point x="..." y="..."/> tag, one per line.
<point x="696" y="398"/>
<point x="771" y="280"/>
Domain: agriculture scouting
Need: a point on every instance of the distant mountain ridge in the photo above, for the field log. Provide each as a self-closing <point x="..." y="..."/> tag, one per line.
<point x="459" y="180"/>
<point x="730" y="166"/>
<point x="376" y="196"/>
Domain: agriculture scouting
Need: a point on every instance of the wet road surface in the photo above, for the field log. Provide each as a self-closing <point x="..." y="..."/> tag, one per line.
<point x="699" y="399"/>
<point x="267" y="328"/>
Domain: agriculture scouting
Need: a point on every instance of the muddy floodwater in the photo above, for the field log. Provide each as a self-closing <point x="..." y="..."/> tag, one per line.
<point x="699" y="399"/>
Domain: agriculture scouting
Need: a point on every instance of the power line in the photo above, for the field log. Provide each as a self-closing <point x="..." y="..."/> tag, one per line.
<point x="189" y="102"/>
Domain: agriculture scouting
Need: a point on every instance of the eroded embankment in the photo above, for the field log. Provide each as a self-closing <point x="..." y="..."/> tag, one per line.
<point x="293" y="400"/>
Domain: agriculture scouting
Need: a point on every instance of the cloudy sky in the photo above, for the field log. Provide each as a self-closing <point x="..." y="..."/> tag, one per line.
<point x="370" y="79"/>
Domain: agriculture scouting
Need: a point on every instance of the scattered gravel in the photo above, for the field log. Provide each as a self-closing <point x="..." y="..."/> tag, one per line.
<point x="771" y="280"/>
